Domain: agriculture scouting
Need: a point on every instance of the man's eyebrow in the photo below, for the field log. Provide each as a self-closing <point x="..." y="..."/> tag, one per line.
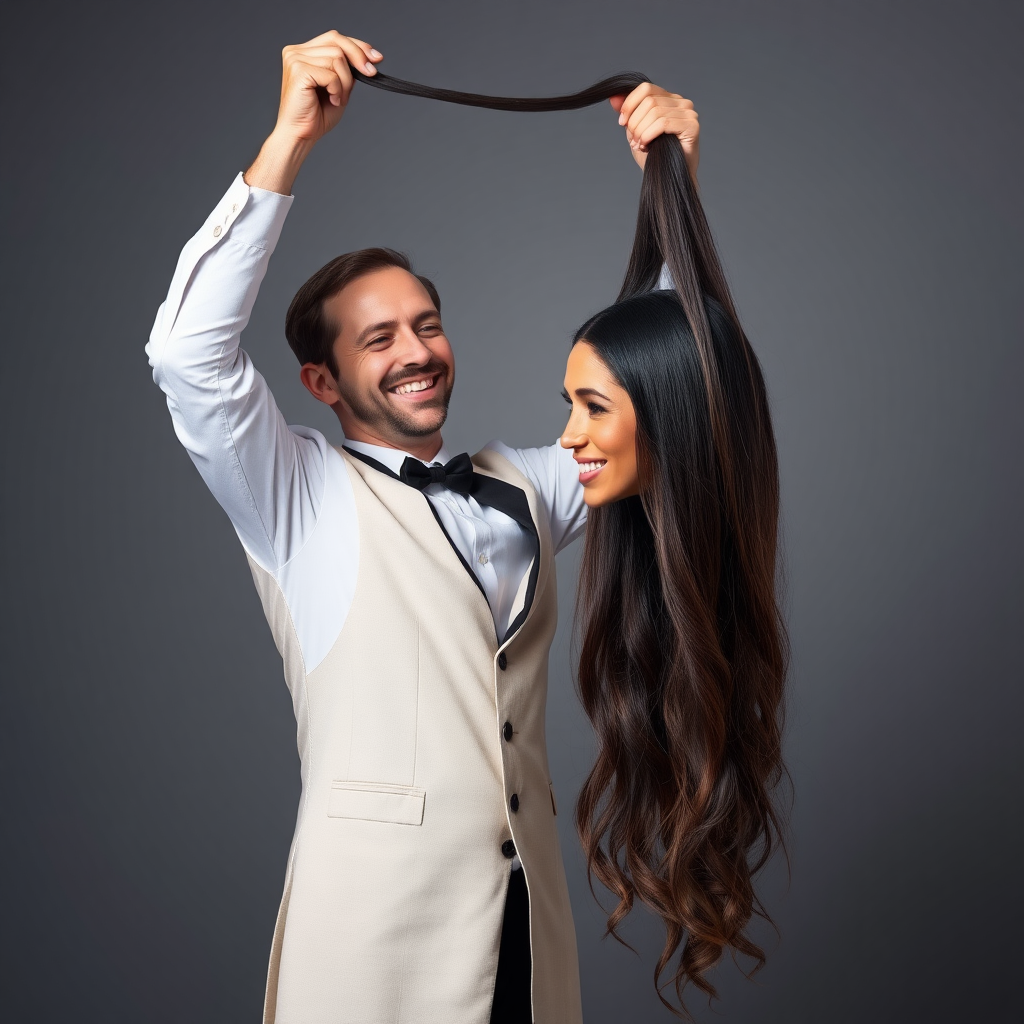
<point x="384" y="325"/>
<point x="390" y="325"/>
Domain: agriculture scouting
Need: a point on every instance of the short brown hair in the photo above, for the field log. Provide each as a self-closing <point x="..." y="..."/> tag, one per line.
<point x="309" y="330"/>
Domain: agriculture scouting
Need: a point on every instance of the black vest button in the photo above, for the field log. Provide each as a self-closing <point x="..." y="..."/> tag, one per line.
<point x="506" y="731"/>
<point x="514" y="802"/>
<point x="508" y="848"/>
<point x="502" y="661"/>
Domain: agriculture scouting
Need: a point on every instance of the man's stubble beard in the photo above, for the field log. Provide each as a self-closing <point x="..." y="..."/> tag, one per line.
<point x="384" y="420"/>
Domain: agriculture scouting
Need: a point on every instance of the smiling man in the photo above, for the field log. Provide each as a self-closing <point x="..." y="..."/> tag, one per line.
<point x="411" y="595"/>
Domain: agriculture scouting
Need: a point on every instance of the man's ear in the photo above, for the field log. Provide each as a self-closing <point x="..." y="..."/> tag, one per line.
<point x="319" y="382"/>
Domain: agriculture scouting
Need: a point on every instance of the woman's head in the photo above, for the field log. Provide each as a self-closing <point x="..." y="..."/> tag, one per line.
<point x="640" y="408"/>
<point x="602" y="427"/>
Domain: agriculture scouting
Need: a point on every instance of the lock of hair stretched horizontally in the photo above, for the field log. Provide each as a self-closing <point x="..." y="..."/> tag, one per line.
<point x="616" y="85"/>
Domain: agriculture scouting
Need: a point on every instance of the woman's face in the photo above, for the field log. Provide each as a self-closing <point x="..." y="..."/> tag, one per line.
<point x="601" y="430"/>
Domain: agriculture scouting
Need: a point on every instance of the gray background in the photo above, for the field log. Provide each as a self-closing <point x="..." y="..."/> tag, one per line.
<point x="862" y="170"/>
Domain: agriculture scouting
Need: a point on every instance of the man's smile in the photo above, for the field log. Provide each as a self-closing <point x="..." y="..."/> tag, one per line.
<point x="417" y="390"/>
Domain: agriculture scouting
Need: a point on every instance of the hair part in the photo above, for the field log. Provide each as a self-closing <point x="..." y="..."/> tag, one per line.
<point x="310" y="330"/>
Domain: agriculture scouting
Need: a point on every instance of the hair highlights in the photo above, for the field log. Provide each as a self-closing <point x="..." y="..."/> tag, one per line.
<point x="683" y="651"/>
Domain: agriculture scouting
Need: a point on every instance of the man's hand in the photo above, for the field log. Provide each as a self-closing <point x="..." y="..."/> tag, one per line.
<point x="649" y="111"/>
<point x="315" y="87"/>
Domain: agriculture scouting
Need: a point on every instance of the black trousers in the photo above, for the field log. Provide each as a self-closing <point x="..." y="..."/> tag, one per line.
<point x="512" y="987"/>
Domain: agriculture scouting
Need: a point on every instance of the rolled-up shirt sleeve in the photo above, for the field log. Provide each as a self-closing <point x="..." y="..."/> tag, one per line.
<point x="267" y="476"/>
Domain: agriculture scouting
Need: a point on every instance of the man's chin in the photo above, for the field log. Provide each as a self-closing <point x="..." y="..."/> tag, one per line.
<point x="385" y="418"/>
<point x="424" y="424"/>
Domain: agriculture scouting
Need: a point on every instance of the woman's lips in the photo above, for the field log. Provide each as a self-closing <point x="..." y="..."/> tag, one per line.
<point x="590" y="468"/>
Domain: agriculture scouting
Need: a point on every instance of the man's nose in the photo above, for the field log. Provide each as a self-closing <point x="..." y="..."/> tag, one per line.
<point x="413" y="350"/>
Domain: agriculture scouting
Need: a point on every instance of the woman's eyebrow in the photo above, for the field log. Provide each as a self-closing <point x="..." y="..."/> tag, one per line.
<point x="585" y="392"/>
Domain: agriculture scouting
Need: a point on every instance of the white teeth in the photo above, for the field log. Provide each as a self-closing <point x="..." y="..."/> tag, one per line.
<point x="590" y="467"/>
<point x="416" y="385"/>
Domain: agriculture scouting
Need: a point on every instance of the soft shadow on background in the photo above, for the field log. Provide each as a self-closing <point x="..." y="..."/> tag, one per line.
<point x="861" y="168"/>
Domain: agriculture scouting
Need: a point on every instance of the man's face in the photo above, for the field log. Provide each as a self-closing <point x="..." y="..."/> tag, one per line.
<point x="395" y="366"/>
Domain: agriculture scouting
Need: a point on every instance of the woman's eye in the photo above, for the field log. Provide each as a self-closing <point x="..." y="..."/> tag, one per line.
<point x="594" y="409"/>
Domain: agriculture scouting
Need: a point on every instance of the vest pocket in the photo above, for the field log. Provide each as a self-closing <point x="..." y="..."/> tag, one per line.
<point x="376" y="801"/>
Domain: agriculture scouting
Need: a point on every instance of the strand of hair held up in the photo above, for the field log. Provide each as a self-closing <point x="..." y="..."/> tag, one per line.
<point x="616" y="85"/>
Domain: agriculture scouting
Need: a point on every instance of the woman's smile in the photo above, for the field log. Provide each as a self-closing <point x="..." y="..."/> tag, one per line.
<point x="590" y="469"/>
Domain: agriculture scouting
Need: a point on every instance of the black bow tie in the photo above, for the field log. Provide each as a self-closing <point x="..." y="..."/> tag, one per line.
<point x="459" y="475"/>
<point x="456" y="475"/>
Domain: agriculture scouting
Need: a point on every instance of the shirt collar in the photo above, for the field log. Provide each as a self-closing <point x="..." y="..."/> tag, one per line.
<point x="392" y="457"/>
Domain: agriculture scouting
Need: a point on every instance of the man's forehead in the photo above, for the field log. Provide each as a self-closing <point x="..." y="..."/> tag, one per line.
<point x="381" y="295"/>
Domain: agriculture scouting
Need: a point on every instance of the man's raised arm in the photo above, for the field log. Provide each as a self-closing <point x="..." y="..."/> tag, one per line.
<point x="268" y="478"/>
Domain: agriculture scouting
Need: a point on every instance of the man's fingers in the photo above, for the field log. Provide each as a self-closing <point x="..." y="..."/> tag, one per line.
<point x="324" y="50"/>
<point x="344" y="72"/>
<point x="639" y="112"/>
<point x="370" y="52"/>
<point x="685" y="126"/>
<point x="324" y="57"/>
<point x="333" y="61"/>
<point x="316" y="76"/>
<point x="358" y="53"/>
<point x="630" y="103"/>
<point x="655" y="93"/>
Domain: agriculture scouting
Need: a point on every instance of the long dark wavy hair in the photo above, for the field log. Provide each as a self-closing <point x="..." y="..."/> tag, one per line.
<point x="683" y="650"/>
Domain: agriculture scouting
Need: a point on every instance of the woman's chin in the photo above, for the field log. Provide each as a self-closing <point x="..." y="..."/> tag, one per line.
<point x="596" y="497"/>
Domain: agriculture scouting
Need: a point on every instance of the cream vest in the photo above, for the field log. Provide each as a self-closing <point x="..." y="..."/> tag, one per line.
<point x="396" y="879"/>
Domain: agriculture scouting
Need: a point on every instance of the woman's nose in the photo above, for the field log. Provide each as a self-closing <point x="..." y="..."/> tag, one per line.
<point x="571" y="436"/>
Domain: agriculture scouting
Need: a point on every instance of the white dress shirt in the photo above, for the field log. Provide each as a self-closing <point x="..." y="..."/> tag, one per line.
<point x="495" y="546"/>
<point x="271" y="478"/>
